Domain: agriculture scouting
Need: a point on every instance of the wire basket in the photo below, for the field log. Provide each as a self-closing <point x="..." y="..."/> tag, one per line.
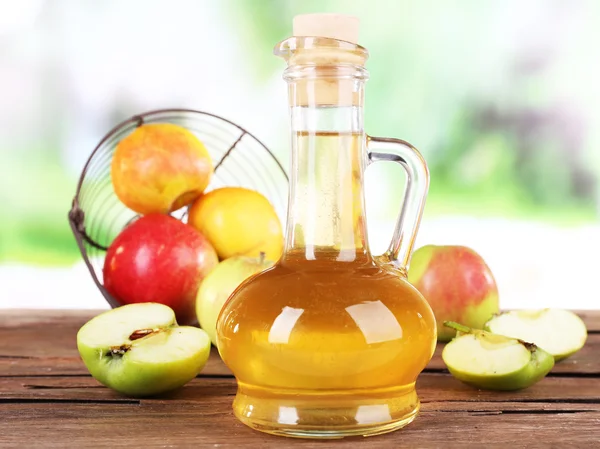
<point x="97" y="216"/>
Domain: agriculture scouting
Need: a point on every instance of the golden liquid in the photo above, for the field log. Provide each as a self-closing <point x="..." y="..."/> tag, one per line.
<point x="327" y="348"/>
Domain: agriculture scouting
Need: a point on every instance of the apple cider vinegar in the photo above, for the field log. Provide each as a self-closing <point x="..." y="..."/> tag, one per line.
<point x="327" y="334"/>
<point x="313" y="347"/>
<point x="329" y="342"/>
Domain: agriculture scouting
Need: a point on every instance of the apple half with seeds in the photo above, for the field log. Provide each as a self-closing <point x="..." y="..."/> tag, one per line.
<point x="559" y="332"/>
<point x="494" y="362"/>
<point x="139" y="350"/>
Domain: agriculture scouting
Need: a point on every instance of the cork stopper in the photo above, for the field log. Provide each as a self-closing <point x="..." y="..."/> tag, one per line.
<point x="334" y="26"/>
<point x="324" y="61"/>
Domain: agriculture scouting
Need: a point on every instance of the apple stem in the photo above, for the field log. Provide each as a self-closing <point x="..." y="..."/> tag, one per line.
<point x="262" y="256"/>
<point x="458" y="327"/>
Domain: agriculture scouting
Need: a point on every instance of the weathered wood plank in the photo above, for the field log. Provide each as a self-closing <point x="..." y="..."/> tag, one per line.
<point x="431" y="388"/>
<point x="497" y="408"/>
<point x="591" y="318"/>
<point x="213" y="425"/>
<point x="221" y="390"/>
<point x="46" y="345"/>
<point x="40" y="407"/>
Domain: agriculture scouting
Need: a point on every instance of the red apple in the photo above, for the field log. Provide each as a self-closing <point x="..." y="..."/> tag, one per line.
<point x="158" y="258"/>
<point x="458" y="285"/>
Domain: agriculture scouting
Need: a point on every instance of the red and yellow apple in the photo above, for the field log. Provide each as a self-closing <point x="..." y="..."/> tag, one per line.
<point x="159" y="168"/>
<point x="159" y="259"/>
<point x="458" y="285"/>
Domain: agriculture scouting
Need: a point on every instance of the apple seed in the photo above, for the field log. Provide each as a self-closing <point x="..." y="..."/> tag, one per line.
<point x="136" y="335"/>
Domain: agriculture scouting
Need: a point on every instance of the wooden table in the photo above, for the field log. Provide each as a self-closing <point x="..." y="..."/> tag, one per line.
<point x="47" y="399"/>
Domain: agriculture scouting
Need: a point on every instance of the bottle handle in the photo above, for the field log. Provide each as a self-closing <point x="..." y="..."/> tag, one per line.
<point x="417" y="185"/>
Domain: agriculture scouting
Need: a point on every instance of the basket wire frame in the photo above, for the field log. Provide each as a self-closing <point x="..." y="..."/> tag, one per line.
<point x="97" y="216"/>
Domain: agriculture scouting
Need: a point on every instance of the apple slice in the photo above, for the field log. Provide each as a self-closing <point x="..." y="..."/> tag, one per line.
<point x="494" y="362"/>
<point x="139" y="350"/>
<point x="560" y="332"/>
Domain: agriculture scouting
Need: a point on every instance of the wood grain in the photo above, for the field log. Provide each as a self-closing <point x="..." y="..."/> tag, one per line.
<point x="213" y="425"/>
<point x="430" y="387"/>
<point x="436" y="395"/>
<point x="47" y="399"/>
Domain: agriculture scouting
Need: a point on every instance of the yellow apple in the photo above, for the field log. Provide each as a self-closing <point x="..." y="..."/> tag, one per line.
<point x="238" y="222"/>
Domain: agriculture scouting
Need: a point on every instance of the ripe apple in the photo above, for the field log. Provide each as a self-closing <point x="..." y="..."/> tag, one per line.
<point x="157" y="258"/>
<point x="494" y="362"/>
<point x="139" y="350"/>
<point x="238" y="222"/>
<point x="220" y="284"/>
<point x="560" y="332"/>
<point x="159" y="168"/>
<point x="458" y="285"/>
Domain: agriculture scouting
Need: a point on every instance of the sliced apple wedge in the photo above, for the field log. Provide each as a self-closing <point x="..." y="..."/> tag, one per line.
<point x="139" y="350"/>
<point x="494" y="362"/>
<point x="559" y="332"/>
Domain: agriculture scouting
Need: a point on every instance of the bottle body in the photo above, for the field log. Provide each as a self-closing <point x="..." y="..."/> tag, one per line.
<point x="326" y="347"/>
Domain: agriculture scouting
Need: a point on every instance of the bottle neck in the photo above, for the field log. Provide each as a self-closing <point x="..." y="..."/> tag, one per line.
<point x="326" y="214"/>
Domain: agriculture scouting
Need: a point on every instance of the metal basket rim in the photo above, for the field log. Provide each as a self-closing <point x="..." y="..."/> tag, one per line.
<point x="139" y="119"/>
<point x="76" y="215"/>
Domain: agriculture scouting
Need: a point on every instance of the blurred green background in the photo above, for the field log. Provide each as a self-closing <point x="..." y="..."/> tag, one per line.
<point x="501" y="97"/>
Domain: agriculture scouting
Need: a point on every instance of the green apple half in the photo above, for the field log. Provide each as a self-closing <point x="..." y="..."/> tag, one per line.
<point x="559" y="332"/>
<point x="139" y="350"/>
<point x="494" y="362"/>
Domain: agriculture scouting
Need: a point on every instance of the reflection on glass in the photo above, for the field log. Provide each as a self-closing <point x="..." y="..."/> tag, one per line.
<point x="287" y="415"/>
<point x="283" y="325"/>
<point x="376" y="321"/>
<point x="369" y="414"/>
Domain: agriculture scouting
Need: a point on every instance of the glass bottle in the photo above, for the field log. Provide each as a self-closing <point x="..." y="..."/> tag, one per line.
<point x="329" y="342"/>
